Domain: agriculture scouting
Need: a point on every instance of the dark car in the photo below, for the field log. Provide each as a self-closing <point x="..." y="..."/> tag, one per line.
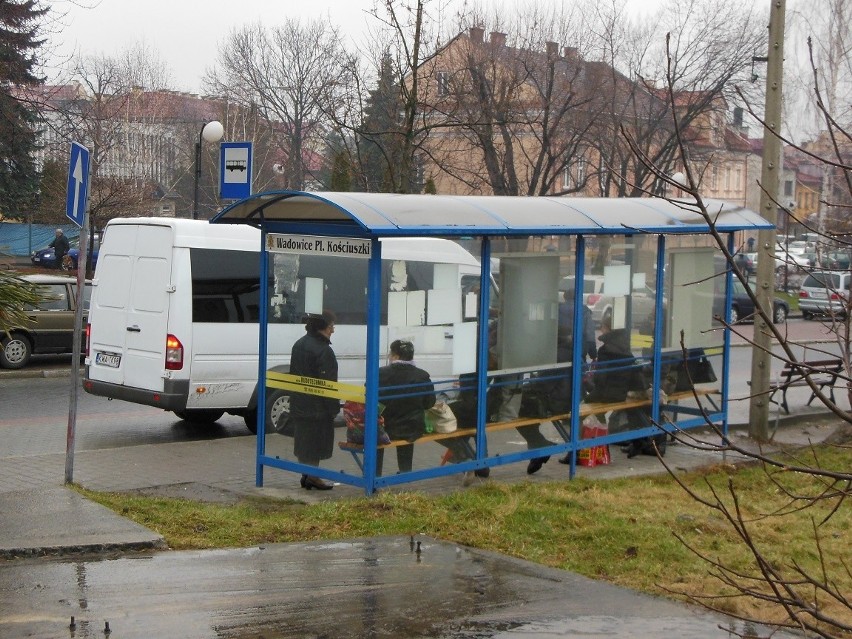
<point x="45" y="257"/>
<point x="742" y="307"/>
<point x="51" y="325"/>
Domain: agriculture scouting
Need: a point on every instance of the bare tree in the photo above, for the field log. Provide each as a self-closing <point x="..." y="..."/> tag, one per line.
<point x="815" y="600"/>
<point x="710" y="47"/>
<point x="379" y="121"/>
<point x="287" y="75"/>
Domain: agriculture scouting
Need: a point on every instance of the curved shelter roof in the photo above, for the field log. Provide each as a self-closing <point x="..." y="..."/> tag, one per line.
<point x="386" y="214"/>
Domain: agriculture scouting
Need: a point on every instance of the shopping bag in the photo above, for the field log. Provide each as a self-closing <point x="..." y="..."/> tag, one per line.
<point x="441" y="419"/>
<point x="353" y="415"/>
<point x="594" y="455"/>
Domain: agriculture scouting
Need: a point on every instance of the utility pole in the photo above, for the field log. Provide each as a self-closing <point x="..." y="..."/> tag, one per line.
<point x="761" y="359"/>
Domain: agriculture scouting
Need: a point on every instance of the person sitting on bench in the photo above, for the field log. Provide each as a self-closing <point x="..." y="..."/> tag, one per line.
<point x="410" y="392"/>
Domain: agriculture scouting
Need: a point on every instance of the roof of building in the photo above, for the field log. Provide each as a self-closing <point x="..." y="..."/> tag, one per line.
<point x="385" y="214"/>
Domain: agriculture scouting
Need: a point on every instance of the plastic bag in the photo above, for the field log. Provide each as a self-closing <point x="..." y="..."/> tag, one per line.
<point x="595" y="455"/>
<point x="441" y="419"/>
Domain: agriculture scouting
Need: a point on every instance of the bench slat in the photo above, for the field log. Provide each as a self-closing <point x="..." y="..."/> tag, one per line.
<point x="585" y="410"/>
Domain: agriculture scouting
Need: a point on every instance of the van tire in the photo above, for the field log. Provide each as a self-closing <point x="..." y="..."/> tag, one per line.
<point x="200" y="416"/>
<point x="15" y="351"/>
<point x="278" y="412"/>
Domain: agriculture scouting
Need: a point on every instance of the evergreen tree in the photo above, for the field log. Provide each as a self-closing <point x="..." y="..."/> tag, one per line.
<point x="51" y="207"/>
<point x="341" y="174"/>
<point x="380" y="136"/>
<point x="20" y="21"/>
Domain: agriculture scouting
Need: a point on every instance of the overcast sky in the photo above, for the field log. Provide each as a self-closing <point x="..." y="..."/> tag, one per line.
<point x="186" y="33"/>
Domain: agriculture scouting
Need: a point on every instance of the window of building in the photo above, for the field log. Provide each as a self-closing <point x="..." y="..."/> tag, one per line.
<point x="443" y="83"/>
<point x="788" y="187"/>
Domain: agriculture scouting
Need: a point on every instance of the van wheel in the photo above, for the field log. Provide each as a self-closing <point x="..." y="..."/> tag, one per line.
<point x="15" y="351"/>
<point x="806" y="315"/>
<point x="200" y="416"/>
<point x="278" y="413"/>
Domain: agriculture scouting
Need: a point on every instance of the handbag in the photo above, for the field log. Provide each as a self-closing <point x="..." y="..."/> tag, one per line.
<point x="441" y="419"/>
<point x="353" y="415"/>
<point x="695" y="370"/>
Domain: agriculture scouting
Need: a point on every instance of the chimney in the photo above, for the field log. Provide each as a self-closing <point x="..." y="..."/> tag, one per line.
<point x="498" y="39"/>
<point x="738" y="117"/>
<point x="552" y="49"/>
<point x="571" y="53"/>
<point x="476" y="34"/>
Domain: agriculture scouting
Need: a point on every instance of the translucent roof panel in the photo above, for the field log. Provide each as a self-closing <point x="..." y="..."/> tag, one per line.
<point x="397" y="214"/>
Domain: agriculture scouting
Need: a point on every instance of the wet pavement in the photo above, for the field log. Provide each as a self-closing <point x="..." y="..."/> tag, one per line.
<point x="379" y="587"/>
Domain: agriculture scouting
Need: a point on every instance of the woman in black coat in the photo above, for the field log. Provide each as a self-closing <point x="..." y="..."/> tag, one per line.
<point x="406" y="392"/>
<point x="313" y="416"/>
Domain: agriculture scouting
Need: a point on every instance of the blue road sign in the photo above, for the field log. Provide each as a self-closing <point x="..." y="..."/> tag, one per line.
<point x="78" y="184"/>
<point x="235" y="170"/>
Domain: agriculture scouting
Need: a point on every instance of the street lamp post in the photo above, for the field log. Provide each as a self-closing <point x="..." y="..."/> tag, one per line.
<point x="212" y="132"/>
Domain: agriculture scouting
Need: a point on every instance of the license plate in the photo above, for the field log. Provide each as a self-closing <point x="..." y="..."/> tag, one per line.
<point x="112" y="360"/>
<point x="819" y="295"/>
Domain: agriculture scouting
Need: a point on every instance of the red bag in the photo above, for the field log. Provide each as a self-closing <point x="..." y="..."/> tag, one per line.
<point x="595" y="455"/>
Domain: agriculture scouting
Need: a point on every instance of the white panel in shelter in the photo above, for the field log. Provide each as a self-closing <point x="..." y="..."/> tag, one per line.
<point x="444" y="306"/>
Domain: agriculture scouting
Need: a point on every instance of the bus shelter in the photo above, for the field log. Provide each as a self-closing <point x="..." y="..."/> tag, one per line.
<point x="548" y="325"/>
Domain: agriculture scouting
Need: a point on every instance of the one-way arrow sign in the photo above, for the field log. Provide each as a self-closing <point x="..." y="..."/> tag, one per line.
<point x="78" y="184"/>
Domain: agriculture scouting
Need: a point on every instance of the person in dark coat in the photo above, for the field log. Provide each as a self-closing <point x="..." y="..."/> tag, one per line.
<point x="406" y="392"/>
<point x="616" y="376"/>
<point x="616" y="373"/>
<point x="312" y="415"/>
<point x="565" y="330"/>
<point x="60" y="247"/>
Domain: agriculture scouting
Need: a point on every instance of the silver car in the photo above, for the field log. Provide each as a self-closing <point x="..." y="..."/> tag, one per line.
<point x="641" y="301"/>
<point x="824" y="293"/>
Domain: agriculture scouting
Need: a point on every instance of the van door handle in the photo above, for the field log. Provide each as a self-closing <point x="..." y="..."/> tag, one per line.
<point x="134" y="329"/>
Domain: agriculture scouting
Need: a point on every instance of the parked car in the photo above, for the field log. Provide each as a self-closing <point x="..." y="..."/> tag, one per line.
<point x="641" y="301"/>
<point x="51" y="327"/>
<point x="46" y="258"/>
<point x="742" y="306"/>
<point x="824" y="293"/>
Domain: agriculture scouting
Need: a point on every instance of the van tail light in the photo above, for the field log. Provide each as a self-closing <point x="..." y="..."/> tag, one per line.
<point x="592" y="299"/>
<point x="88" y="338"/>
<point x="174" y="353"/>
<point x="835" y="297"/>
<point x="803" y="294"/>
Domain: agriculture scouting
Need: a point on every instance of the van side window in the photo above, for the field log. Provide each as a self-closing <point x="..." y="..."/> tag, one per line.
<point x="225" y="286"/>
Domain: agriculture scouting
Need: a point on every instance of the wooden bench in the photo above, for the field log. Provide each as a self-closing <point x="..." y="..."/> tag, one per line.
<point x="559" y="422"/>
<point x="822" y="372"/>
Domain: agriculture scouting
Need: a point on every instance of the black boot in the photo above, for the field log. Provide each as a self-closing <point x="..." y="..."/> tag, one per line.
<point x="536" y="463"/>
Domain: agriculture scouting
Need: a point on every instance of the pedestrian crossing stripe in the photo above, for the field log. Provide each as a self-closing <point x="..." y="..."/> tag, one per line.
<point x="315" y="386"/>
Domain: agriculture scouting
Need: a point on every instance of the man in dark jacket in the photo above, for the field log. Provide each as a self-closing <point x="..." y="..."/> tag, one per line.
<point x="60" y="247"/>
<point x="312" y="415"/>
<point x="406" y="392"/>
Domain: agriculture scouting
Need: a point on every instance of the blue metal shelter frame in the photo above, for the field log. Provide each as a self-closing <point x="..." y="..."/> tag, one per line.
<point x="374" y="216"/>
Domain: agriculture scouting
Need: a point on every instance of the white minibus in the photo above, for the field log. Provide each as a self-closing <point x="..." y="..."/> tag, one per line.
<point x="175" y="308"/>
